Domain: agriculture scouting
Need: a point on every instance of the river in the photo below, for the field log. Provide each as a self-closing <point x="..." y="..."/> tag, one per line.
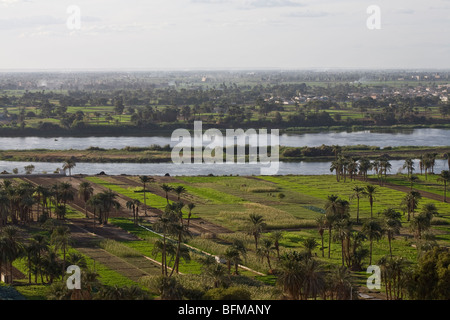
<point x="416" y="137"/>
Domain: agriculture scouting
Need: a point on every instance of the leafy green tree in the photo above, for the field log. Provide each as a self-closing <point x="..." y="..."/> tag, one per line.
<point x="431" y="278"/>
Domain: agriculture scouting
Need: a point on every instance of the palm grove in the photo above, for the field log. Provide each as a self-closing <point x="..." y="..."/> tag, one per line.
<point x="298" y="274"/>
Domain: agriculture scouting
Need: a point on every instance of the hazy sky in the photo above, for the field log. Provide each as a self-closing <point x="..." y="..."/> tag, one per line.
<point x="217" y="34"/>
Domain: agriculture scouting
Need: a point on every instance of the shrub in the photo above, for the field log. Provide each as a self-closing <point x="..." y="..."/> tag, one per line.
<point x="231" y="293"/>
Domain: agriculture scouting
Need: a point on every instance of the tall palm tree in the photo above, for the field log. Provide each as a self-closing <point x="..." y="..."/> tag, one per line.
<point x="265" y="251"/>
<point x="321" y="226"/>
<point x="166" y="189"/>
<point x="364" y="167"/>
<point x="255" y="226"/>
<point x="420" y="223"/>
<point x="314" y="279"/>
<point x="182" y="234"/>
<point x="85" y="191"/>
<point x="370" y="192"/>
<point x="444" y="177"/>
<point x="231" y="255"/>
<point x="179" y="190"/>
<point x="95" y="202"/>
<point x="66" y="193"/>
<point x="391" y="225"/>
<point x="358" y="193"/>
<point x="411" y="202"/>
<point x="60" y="239"/>
<point x="309" y="244"/>
<point x="276" y="237"/>
<point x="409" y="166"/>
<point x="165" y="226"/>
<point x="69" y="164"/>
<point x="342" y="232"/>
<point x="108" y="200"/>
<point x="190" y="206"/>
<point x="373" y="230"/>
<point x="145" y="180"/>
<point x="15" y="246"/>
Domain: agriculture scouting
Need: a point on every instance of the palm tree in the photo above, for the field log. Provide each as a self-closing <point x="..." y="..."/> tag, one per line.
<point x="373" y="230"/>
<point x="429" y="210"/>
<point x="370" y="192"/>
<point x="60" y="238"/>
<point x="321" y="226"/>
<point x="85" y="191"/>
<point x="14" y="246"/>
<point x="314" y="279"/>
<point x="145" y="180"/>
<point x="358" y="192"/>
<point x="182" y="233"/>
<point x="179" y="190"/>
<point x="265" y="251"/>
<point x="41" y="247"/>
<point x="444" y="177"/>
<point x="165" y="226"/>
<point x="412" y="179"/>
<point x="411" y="202"/>
<point x="420" y="223"/>
<point x="391" y="225"/>
<point x="310" y="244"/>
<point x="231" y="254"/>
<point x="341" y="283"/>
<point x="291" y="276"/>
<point x="409" y="166"/>
<point x="343" y="229"/>
<point x="65" y="193"/>
<point x="190" y="206"/>
<point x="276" y="237"/>
<point x="364" y="167"/>
<point x="69" y="164"/>
<point x="95" y="202"/>
<point x="166" y="189"/>
<point x="108" y="200"/>
<point x="255" y="227"/>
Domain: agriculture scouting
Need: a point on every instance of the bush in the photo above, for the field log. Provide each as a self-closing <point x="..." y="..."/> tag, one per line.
<point x="231" y="293"/>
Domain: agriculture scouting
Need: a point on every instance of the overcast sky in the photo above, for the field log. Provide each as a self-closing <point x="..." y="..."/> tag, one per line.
<point x="219" y="34"/>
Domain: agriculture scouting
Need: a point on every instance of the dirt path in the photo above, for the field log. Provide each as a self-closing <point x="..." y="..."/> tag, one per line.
<point x="86" y="242"/>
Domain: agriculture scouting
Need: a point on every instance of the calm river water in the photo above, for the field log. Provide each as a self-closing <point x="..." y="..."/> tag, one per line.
<point x="417" y="137"/>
